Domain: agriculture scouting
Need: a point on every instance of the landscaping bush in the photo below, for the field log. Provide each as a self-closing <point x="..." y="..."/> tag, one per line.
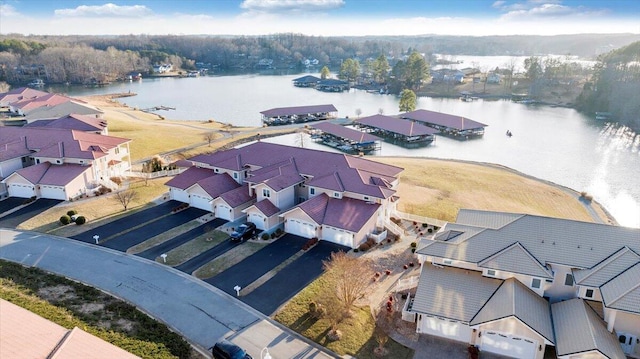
<point x="65" y="219"/>
<point x="364" y="247"/>
<point x="103" y="190"/>
<point x="310" y="243"/>
<point x="430" y="230"/>
<point x="265" y="236"/>
<point x="279" y="232"/>
<point x="273" y="235"/>
<point x="180" y="207"/>
<point x="413" y="250"/>
<point x="29" y="200"/>
<point x="81" y="220"/>
<point x="424" y="225"/>
<point x="72" y="212"/>
<point x="414" y="244"/>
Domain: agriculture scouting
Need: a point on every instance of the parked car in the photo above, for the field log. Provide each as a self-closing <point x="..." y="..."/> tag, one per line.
<point x="244" y="232"/>
<point x="225" y="349"/>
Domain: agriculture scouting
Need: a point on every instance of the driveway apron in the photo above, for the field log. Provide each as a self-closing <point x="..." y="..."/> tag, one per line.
<point x="257" y="264"/>
<point x="291" y="279"/>
<point x="12" y="220"/>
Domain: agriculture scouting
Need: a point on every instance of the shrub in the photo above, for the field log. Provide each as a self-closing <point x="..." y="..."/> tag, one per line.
<point x="29" y="200"/>
<point x="81" y="220"/>
<point x="410" y="264"/>
<point x="404" y="296"/>
<point x="387" y="272"/>
<point x="279" y="232"/>
<point x="364" y="247"/>
<point x="414" y="244"/>
<point x="424" y="225"/>
<point x="355" y="250"/>
<point x="72" y="212"/>
<point x="413" y="250"/>
<point x="273" y="235"/>
<point x="405" y="267"/>
<point x="265" y="236"/>
<point x="388" y="240"/>
<point x="65" y="219"/>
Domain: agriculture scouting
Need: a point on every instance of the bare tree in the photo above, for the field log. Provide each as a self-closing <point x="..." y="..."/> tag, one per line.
<point x="301" y="139"/>
<point x="349" y="277"/>
<point x="125" y="197"/>
<point x="209" y="137"/>
<point x="358" y="112"/>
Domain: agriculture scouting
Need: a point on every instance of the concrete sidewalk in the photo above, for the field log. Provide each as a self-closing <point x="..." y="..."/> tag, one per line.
<point x="198" y="311"/>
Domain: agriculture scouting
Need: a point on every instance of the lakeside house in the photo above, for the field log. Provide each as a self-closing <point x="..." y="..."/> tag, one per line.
<point x="517" y="284"/>
<point x="330" y="196"/>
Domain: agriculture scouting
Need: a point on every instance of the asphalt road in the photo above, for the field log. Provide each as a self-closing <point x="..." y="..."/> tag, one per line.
<point x="139" y="235"/>
<point x="122" y="224"/>
<point x="164" y="247"/>
<point x="257" y="264"/>
<point x="10" y="203"/>
<point x="291" y="279"/>
<point x="33" y="209"/>
<point x="199" y="312"/>
<point x="206" y="256"/>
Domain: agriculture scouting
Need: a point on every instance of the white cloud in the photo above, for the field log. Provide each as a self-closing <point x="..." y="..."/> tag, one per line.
<point x="106" y="10"/>
<point x="498" y="4"/>
<point x="537" y="9"/>
<point x="290" y="5"/>
<point x="7" y="10"/>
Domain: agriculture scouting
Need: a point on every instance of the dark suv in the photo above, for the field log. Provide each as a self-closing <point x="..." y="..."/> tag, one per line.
<point x="224" y="349"/>
<point x="245" y="231"/>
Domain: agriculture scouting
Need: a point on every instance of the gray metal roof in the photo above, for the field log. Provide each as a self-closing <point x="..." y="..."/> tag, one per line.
<point x="516" y="259"/>
<point x="549" y="240"/>
<point x="607" y="269"/>
<point x="514" y="299"/>
<point x="485" y="219"/>
<point x="443" y="119"/>
<point x="623" y="291"/>
<point x="452" y="293"/>
<point x="579" y="329"/>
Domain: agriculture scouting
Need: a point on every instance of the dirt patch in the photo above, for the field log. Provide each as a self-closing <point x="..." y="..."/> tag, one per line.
<point x="126" y="325"/>
<point x="57" y="293"/>
<point x="88" y="308"/>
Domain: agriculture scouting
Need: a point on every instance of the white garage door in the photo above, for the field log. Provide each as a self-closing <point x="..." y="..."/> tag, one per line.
<point x="445" y="328"/>
<point x="179" y="195"/>
<point x="336" y="235"/>
<point x="52" y="192"/>
<point x="21" y="190"/>
<point x="200" y="202"/>
<point x="223" y="212"/>
<point x="300" y="228"/>
<point x="511" y="346"/>
<point x="258" y="220"/>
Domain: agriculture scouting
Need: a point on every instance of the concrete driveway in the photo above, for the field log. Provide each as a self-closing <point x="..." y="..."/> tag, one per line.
<point x="175" y="242"/>
<point x="126" y="240"/>
<point x="199" y="312"/>
<point x="131" y="220"/>
<point x="291" y="279"/>
<point x="257" y="264"/>
<point x="13" y="219"/>
<point x="10" y="203"/>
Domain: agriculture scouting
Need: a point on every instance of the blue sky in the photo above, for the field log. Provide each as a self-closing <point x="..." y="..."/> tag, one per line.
<point x="320" y="17"/>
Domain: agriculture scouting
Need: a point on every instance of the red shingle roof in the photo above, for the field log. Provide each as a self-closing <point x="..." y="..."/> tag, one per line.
<point x="46" y="173"/>
<point x="19" y="94"/>
<point x="237" y="196"/>
<point x="217" y="184"/>
<point x="266" y="207"/>
<point x="73" y="122"/>
<point x="189" y="177"/>
<point x="346" y="213"/>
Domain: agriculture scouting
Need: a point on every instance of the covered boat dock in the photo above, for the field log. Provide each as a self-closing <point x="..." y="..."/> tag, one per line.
<point x="345" y="139"/>
<point x="299" y="114"/>
<point x="398" y="131"/>
<point x="332" y="85"/>
<point x="451" y="125"/>
<point x="306" y="81"/>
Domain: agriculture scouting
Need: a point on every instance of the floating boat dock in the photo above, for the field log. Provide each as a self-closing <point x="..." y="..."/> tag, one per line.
<point x="397" y="130"/>
<point x="345" y="139"/>
<point x="449" y="125"/>
<point x="299" y="114"/>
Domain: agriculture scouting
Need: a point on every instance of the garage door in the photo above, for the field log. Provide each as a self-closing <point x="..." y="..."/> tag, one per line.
<point x="258" y="220"/>
<point x="179" y="195"/>
<point x="300" y="228"/>
<point x="52" y="192"/>
<point x="445" y="328"/>
<point x="21" y="190"/>
<point x="223" y="212"/>
<point x="336" y="235"/>
<point x="511" y="346"/>
<point x="201" y="202"/>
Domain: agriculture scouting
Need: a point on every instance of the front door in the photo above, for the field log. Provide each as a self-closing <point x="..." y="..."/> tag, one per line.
<point x="627" y="342"/>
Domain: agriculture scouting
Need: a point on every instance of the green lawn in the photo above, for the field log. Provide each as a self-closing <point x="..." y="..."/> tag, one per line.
<point x="357" y="339"/>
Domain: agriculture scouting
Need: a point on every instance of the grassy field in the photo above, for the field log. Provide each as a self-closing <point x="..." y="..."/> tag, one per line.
<point x="439" y="188"/>
<point x="357" y="340"/>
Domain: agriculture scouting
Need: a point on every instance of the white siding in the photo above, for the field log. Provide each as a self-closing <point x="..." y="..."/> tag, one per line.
<point x="179" y="194"/>
<point x="10" y="166"/>
<point x="339" y="236"/>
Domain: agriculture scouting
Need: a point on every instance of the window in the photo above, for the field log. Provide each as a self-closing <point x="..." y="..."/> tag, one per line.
<point x="491" y="272"/>
<point x="312" y="191"/>
<point x="216" y="170"/>
<point x="266" y="193"/>
<point x="336" y="194"/>
<point x="535" y="283"/>
<point x="366" y="198"/>
<point x="447" y="261"/>
<point x="568" y="280"/>
<point x="235" y="175"/>
<point x="589" y="293"/>
<point x="117" y="150"/>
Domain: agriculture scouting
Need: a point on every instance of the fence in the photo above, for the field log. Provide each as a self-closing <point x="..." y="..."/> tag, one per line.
<point x="395" y="229"/>
<point x="157" y="174"/>
<point x="407" y="283"/>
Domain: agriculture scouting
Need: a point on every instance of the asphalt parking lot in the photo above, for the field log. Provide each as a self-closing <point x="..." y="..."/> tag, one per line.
<point x="10" y="203"/>
<point x="291" y="279"/>
<point x="257" y="264"/>
<point x="132" y="220"/>
<point x="33" y="209"/>
<point x="153" y="252"/>
<point x="152" y="229"/>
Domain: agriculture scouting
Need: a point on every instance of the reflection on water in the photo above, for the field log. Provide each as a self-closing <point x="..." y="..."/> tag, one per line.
<point x="552" y="143"/>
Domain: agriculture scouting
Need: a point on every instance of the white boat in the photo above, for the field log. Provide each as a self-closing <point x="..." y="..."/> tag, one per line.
<point x="36" y="83"/>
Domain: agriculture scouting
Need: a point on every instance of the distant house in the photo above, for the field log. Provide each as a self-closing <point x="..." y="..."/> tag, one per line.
<point x="305" y="191"/>
<point x="59" y="163"/>
<point x="513" y="284"/>
<point x="447" y="76"/>
<point x="494" y="78"/>
<point x="162" y="68"/>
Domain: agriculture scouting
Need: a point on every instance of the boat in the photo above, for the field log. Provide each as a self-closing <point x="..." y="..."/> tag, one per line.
<point x="603" y="115"/>
<point x="36" y="83"/>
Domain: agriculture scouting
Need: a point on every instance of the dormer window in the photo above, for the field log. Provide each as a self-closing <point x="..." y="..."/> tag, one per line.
<point x="312" y="191"/>
<point x="589" y="293"/>
<point x="336" y="194"/>
<point x="568" y="279"/>
<point x="235" y="175"/>
<point x="535" y="283"/>
<point x="491" y="273"/>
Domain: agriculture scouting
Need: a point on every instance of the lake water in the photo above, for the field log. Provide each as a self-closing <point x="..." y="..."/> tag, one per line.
<point x="551" y="143"/>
